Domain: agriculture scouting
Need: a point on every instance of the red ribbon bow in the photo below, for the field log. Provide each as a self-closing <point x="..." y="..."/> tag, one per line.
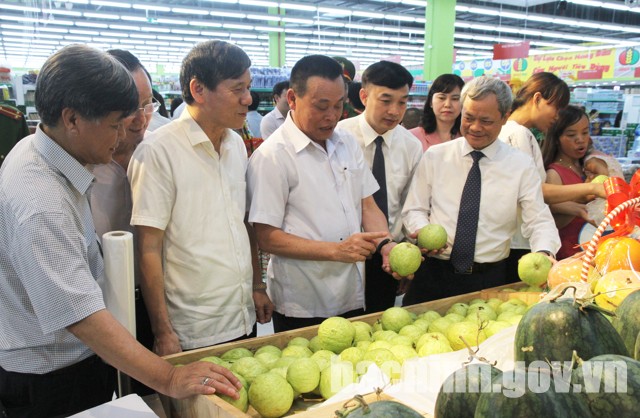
<point x="618" y="192"/>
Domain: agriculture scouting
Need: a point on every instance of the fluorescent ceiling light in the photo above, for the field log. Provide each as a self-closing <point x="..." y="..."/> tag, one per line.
<point x="111" y="4"/>
<point x="134" y="18"/>
<point x="151" y="7"/>
<point x="228" y="14"/>
<point x="297" y="20"/>
<point x="172" y="21"/>
<point x="400" y="18"/>
<point x="269" y="18"/>
<point x="205" y="23"/>
<point x="269" y="28"/>
<point x="84" y="32"/>
<point x="142" y="36"/>
<point x="169" y="38"/>
<point x="293" y="6"/>
<point x="101" y="16"/>
<point x="368" y="14"/>
<point x="237" y="26"/>
<point x="615" y="6"/>
<point x="91" y="24"/>
<point x="333" y="11"/>
<point x="329" y="23"/>
<point x="189" y="11"/>
<point x="124" y="27"/>
<point x="116" y="34"/>
<point x="61" y="12"/>
<point x="20" y="8"/>
<point x="186" y="32"/>
<point x="258" y="3"/>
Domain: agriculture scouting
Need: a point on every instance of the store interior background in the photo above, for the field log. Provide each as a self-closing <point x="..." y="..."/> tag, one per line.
<point x="276" y="34"/>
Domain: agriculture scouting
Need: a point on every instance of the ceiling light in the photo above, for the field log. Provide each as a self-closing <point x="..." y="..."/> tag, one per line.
<point x="111" y="4"/>
<point x="259" y="3"/>
<point x="151" y="7"/>
<point x="61" y="12"/>
<point x="237" y="26"/>
<point x="186" y="32"/>
<point x="20" y="8"/>
<point x="368" y="14"/>
<point x="296" y="20"/>
<point x="228" y="14"/>
<point x="270" y="18"/>
<point x="269" y="28"/>
<point x="292" y="6"/>
<point x="101" y="16"/>
<point x="189" y="11"/>
<point x="205" y="23"/>
<point x="134" y="18"/>
<point x="92" y="25"/>
<point x="124" y="27"/>
<point x="329" y="23"/>
<point x="400" y="18"/>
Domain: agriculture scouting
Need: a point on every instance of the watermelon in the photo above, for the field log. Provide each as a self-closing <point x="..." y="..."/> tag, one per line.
<point x="627" y="320"/>
<point x="604" y="397"/>
<point x="460" y="391"/>
<point x="512" y="397"/>
<point x="382" y="409"/>
<point x="553" y="330"/>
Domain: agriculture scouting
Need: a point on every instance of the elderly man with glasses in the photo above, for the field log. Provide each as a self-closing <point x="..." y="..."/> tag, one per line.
<point x="111" y="202"/>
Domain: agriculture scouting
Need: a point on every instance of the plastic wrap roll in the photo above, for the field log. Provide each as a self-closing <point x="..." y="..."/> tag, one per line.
<point x="119" y="287"/>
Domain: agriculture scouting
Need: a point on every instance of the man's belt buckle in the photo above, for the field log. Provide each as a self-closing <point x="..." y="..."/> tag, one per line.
<point x="469" y="270"/>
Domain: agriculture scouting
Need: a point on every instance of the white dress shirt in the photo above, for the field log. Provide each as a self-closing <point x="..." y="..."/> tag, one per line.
<point x="520" y="137"/>
<point x="157" y="121"/>
<point x="297" y="186"/>
<point x="253" y="121"/>
<point x="270" y="122"/>
<point x="181" y="185"/>
<point x="509" y="181"/>
<point x="402" y="152"/>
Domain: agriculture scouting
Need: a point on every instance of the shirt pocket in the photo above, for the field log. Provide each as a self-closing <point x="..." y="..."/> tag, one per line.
<point x="353" y="183"/>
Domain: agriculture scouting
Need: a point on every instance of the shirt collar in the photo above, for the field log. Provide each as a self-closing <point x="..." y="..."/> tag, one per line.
<point x="370" y="135"/>
<point x="300" y="141"/>
<point x="78" y="175"/>
<point x="489" y="152"/>
<point x="195" y="134"/>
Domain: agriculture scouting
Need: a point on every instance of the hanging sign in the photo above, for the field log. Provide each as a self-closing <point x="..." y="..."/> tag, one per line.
<point x="511" y="50"/>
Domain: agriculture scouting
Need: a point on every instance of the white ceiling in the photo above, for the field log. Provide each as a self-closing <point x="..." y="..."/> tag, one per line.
<point x="162" y="31"/>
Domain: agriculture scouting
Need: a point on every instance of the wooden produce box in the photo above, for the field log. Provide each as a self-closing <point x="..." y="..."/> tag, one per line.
<point x="212" y="406"/>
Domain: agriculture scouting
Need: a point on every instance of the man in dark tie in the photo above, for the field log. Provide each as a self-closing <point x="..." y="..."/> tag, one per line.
<point x="393" y="154"/>
<point x="473" y="187"/>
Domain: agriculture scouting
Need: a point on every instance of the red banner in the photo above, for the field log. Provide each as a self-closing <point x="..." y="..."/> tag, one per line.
<point x="511" y="50"/>
<point x="590" y="74"/>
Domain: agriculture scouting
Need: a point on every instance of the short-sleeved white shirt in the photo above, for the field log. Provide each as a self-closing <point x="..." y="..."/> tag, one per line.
<point x="402" y="152"/>
<point x="520" y="137"/>
<point x="270" y="122"/>
<point x="181" y="185"/>
<point x="297" y="186"/>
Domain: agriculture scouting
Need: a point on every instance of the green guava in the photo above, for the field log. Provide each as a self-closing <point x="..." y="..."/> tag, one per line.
<point x="336" y="334"/>
<point x="303" y="375"/>
<point x="298" y="351"/>
<point x="393" y="319"/>
<point x="432" y="237"/>
<point x="269" y="349"/>
<point x="352" y="354"/>
<point x="363" y="331"/>
<point x="249" y="368"/>
<point x="405" y="259"/>
<point x="242" y="403"/>
<point x="236" y="353"/>
<point x="335" y="377"/>
<point x="301" y="341"/>
<point x="271" y="395"/>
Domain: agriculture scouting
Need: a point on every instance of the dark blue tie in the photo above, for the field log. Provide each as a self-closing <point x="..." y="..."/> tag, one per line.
<point x="378" y="172"/>
<point x="464" y="245"/>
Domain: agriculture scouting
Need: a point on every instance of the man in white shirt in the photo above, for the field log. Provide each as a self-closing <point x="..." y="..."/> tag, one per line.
<point x="509" y="181"/>
<point x="253" y="117"/>
<point x="198" y="258"/>
<point x="385" y="92"/>
<point x="311" y="196"/>
<point x="272" y="120"/>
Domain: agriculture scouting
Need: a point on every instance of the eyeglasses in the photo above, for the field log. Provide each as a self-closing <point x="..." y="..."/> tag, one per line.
<point x="149" y="108"/>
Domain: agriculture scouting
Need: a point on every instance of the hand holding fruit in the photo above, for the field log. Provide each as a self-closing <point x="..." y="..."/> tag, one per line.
<point x="431" y="239"/>
<point x="533" y="268"/>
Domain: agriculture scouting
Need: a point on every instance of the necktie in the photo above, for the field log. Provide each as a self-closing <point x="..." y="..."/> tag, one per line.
<point x="464" y="245"/>
<point x="378" y="172"/>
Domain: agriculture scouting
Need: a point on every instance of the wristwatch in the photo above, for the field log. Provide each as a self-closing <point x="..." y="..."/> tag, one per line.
<point x="260" y="286"/>
<point x="382" y="244"/>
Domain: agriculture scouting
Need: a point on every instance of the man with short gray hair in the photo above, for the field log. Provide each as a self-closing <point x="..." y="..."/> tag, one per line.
<point x="473" y="187"/>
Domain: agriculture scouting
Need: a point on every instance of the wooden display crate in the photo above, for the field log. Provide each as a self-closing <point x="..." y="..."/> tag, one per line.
<point x="212" y="406"/>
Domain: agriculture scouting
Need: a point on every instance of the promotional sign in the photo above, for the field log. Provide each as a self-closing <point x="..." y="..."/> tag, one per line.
<point x="511" y="50"/>
<point x="590" y="74"/>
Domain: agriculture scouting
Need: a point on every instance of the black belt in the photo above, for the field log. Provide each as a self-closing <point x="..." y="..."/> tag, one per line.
<point x="475" y="267"/>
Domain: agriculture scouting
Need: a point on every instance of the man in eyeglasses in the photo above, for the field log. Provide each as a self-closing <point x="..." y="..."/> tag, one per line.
<point x="111" y="193"/>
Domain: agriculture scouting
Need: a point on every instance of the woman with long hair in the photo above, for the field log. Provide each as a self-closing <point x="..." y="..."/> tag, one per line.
<point x="563" y="154"/>
<point x="441" y="115"/>
<point x="536" y="105"/>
